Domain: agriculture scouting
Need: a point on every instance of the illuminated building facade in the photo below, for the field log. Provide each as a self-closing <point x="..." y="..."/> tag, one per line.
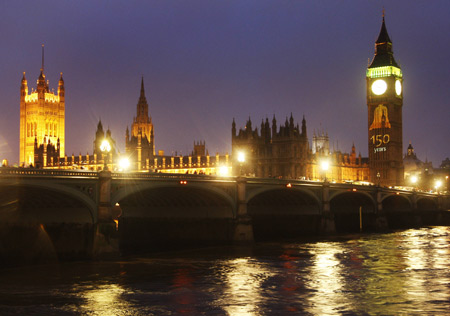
<point x="384" y="103"/>
<point x="42" y="120"/>
<point x="320" y="143"/>
<point x="343" y="167"/>
<point x="284" y="152"/>
<point x="140" y="145"/>
<point x="273" y="152"/>
<point x="92" y="162"/>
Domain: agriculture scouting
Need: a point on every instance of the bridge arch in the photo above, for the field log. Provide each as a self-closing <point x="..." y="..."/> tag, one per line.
<point x="427" y="204"/>
<point x="162" y="199"/>
<point x="345" y="207"/>
<point x="162" y="215"/>
<point x="257" y="192"/>
<point x="40" y="222"/>
<point x="46" y="203"/>
<point x="283" y="212"/>
<point x="397" y="203"/>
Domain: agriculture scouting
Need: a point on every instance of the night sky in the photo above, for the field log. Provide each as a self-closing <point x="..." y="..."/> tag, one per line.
<point x="205" y="62"/>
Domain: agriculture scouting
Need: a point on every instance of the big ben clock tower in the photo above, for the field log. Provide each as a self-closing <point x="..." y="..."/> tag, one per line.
<point x="384" y="103"/>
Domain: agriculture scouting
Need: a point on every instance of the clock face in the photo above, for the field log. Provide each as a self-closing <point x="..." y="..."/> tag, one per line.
<point x="379" y="87"/>
<point x="398" y="87"/>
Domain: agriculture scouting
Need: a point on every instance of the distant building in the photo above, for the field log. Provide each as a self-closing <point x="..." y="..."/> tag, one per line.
<point x="42" y="120"/>
<point x="414" y="167"/>
<point x="423" y="175"/>
<point x="342" y="167"/>
<point x="198" y="162"/>
<point x="273" y="152"/>
<point x="284" y="152"/>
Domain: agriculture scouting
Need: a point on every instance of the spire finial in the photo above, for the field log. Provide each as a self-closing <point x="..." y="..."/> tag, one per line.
<point x="42" y="68"/>
<point x="383" y="13"/>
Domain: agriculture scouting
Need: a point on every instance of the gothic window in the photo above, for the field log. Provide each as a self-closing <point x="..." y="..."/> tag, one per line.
<point x="35" y="129"/>
<point x="28" y="129"/>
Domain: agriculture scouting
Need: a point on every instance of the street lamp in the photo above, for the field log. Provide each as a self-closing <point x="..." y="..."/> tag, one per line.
<point x="414" y="180"/>
<point x="378" y="178"/>
<point x="325" y="165"/>
<point x="241" y="160"/>
<point x="437" y="185"/>
<point x="124" y="164"/>
<point x="105" y="148"/>
<point x="223" y="171"/>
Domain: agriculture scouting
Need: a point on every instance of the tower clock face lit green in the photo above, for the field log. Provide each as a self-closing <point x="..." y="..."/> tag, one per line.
<point x="379" y="87"/>
<point x="398" y="87"/>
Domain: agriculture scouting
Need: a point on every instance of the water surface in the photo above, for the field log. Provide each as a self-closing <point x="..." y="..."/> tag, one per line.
<point x="400" y="273"/>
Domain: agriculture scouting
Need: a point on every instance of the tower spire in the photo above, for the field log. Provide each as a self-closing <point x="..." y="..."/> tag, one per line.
<point x="142" y="87"/>
<point x="384" y="55"/>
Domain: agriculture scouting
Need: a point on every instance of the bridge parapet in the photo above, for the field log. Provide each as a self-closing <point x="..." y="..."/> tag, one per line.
<point x="47" y="173"/>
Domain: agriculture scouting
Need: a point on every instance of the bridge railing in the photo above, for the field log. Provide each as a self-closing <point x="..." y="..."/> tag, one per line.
<point x="168" y="176"/>
<point x="46" y="172"/>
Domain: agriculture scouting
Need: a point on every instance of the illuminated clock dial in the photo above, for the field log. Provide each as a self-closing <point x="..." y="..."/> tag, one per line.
<point x="398" y="87"/>
<point x="379" y="87"/>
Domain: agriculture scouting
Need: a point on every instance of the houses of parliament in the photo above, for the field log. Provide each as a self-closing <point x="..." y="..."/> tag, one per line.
<point x="273" y="150"/>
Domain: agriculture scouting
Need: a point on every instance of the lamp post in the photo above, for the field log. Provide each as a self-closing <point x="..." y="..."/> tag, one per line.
<point x="241" y="160"/>
<point x="105" y="148"/>
<point x="378" y="178"/>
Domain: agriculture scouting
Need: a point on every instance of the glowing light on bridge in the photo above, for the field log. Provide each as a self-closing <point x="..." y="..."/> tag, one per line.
<point x="183" y="182"/>
<point x="124" y="164"/>
<point x="224" y="171"/>
<point x="437" y="185"/>
<point x="288" y="185"/>
<point x="325" y="165"/>
<point x="241" y="157"/>
<point x="105" y="146"/>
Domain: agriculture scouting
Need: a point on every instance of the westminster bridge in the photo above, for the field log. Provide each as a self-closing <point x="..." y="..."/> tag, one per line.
<point x="153" y="210"/>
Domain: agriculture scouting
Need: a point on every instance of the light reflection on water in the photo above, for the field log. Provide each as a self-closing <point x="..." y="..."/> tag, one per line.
<point x="325" y="279"/>
<point x="402" y="273"/>
<point x="242" y="292"/>
<point x="103" y="300"/>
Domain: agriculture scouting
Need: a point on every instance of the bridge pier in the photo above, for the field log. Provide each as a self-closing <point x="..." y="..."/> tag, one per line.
<point x="243" y="229"/>
<point x="106" y="241"/>
<point x="381" y="222"/>
<point x="327" y="223"/>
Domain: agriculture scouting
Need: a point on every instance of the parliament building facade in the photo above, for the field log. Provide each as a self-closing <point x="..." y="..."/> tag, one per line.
<point x="281" y="151"/>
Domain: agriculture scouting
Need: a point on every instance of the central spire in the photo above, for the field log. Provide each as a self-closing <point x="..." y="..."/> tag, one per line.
<point x="142" y="105"/>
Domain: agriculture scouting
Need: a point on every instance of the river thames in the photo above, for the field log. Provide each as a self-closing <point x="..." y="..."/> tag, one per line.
<point x="399" y="273"/>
